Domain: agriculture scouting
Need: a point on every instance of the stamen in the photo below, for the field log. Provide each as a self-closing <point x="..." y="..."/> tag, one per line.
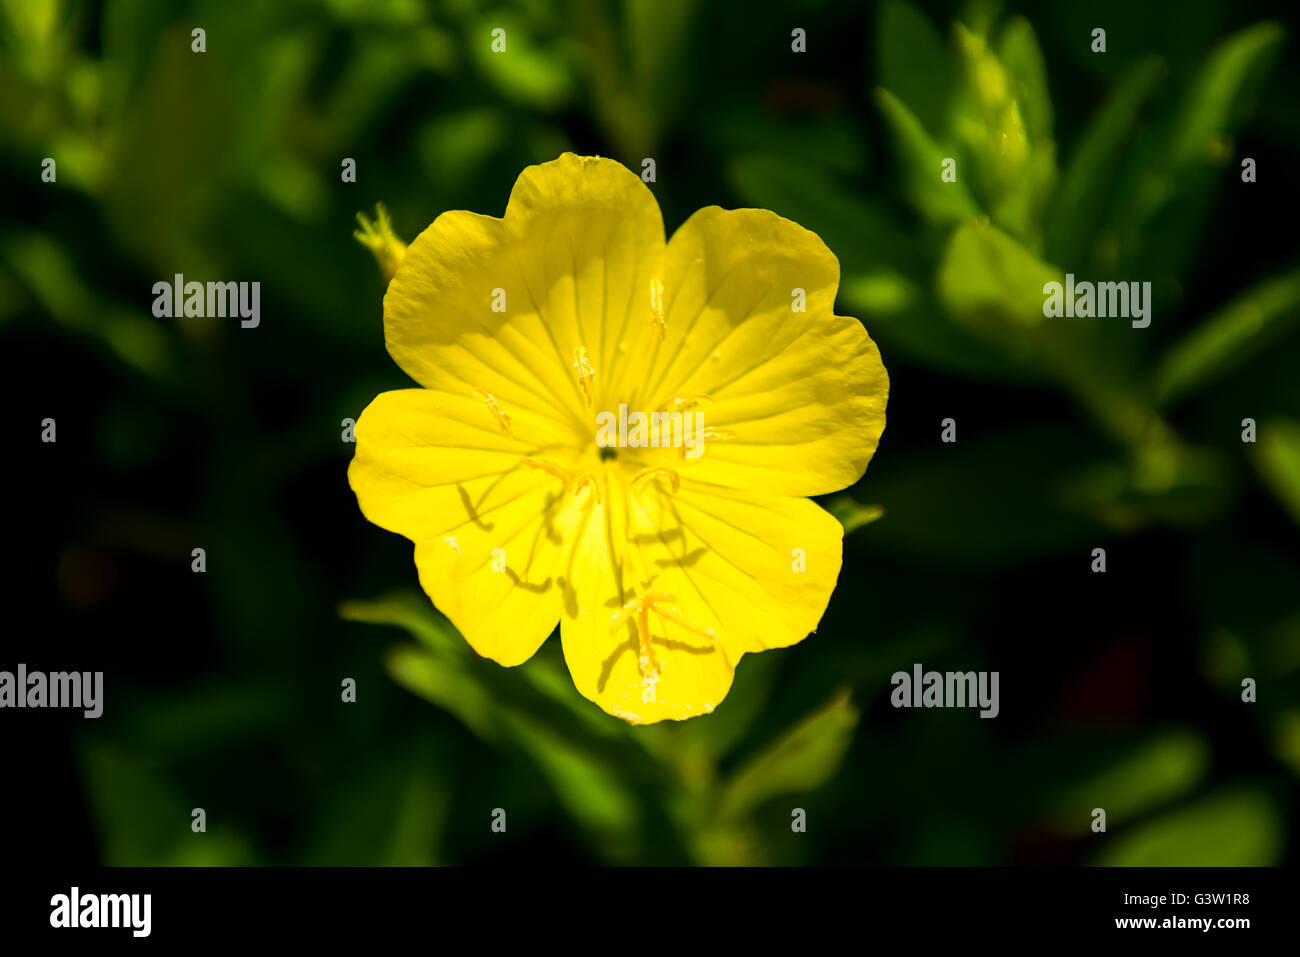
<point x="582" y="366"/>
<point x="503" y="420"/>
<point x="649" y="474"/>
<point x="681" y="403"/>
<point x="710" y="434"/>
<point x="663" y="605"/>
<point x="589" y="482"/>
<point x="551" y="469"/>
<point x="657" y="318"/>
<point x="681" y="621"/>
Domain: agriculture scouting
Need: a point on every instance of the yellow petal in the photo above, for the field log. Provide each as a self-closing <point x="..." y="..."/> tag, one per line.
<point x="758" y="569"/>
<point x="490" y="536"/>
<point x="603" y="655"/>
<point x="570" y="266"/>
<point x="803" y="391"/>
<point x="740" y="572"/>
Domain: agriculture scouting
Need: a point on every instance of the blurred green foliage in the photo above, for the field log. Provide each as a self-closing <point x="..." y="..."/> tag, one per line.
<point x="1073" y="434"/>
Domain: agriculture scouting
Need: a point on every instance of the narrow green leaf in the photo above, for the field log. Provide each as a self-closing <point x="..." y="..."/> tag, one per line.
<point x="1223" y="94"/>
<point x="853" y="515"/>
<point x="1278" y="461"/>
<point x="1229" y="337"/>
<point x="587" y="783"/>
<point x="914" y="62"/>
<point x="412" y="612"/>
<point x="802" y="760"/>
<point x="1171" y="178"/>
<point x="920" y="164"/>
<point x="1023" y="60"/>
<point x="860" y="230"/>
<point x="1155" y="772"/>
<point x="1088" y="177"/>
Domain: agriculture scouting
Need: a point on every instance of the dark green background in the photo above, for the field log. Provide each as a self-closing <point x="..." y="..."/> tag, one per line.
<point x="1119" y="691"/>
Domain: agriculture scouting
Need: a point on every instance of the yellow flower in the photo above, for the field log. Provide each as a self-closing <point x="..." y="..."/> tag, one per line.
<point x="662" y="568"/>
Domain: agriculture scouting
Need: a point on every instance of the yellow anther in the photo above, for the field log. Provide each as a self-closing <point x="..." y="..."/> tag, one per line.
<point x="681" y="403"/>
<point x="503" y="420"/>
<point x="648" y="475"/>
<point x="589" y="482"/>
<point x="710" y="434"/>
<point x="663" y="605"/>
<point x="551" y="469"/>
<point x="582" y="365"/>
<point x="674" y="615"/>
<point x="657" y="318"/>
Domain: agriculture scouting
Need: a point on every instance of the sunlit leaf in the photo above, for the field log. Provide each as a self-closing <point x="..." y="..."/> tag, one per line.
<point x="920" y="166"/>
<point x="1223" y="94"/>
<point x="993" y="282"/>
<point x="531" y="71"/>
<point x="1235" y="828"/>
<point x="1020" y="55"/>
<point x="802" y="760"/>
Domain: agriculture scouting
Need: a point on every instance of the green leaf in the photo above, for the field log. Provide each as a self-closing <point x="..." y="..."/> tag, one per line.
<point x="412" y="612"/>
<point x="1153" y="773"/>
<point x="1020" y="207"/>
<point x="885" y="279"/>
<point x="1088" y="178"/>
<point x="989" y="121"/>
<point x="640" y="63"/>
<point x="1278" y="461"/>
<point x="851" y="514"/>
<point x="1166" y="482"/>
<point x="118" y="783"/>
<point x="802" y="760"/>
<point x="51" y="276"/>
<point x="1223" y="94"/>
<point x="390" y="810"/>
<point x="532" y="72"/>
<point x="540" y="688"/>
<point x="920" y="164"/>
<point x="992" y="282"/>
<point x="442" y="683"/>
<point x="1023" y="60"/>
<point x="1229" y="337"/>
<point x="903" y="316"/>
<point x="1171" y="178"/>
<point x="1235" y="828"/>
<point x="861" y="233"/>
<point x="591" y="761"/>
<point x="995" y="286"/>
<point x="586" y="783"/>
<point x="914" y="62"/>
